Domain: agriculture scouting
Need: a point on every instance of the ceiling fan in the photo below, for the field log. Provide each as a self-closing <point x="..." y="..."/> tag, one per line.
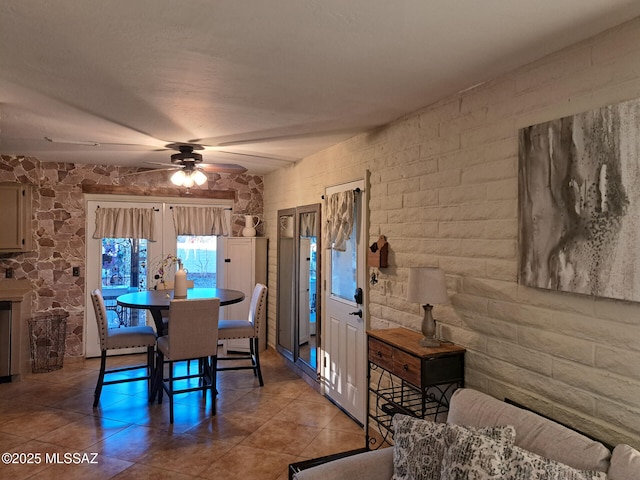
<point x="189" y="167"/>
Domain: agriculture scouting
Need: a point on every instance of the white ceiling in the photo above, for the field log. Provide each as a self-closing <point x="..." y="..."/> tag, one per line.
<point x="274" y="78"/>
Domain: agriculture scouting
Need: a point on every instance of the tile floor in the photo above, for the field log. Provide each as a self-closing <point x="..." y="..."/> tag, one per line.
<point x="255" y="435"/>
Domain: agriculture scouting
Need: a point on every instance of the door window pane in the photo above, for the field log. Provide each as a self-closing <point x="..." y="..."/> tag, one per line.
<point x="124" y="269"/>
<point x="344" y="268"/>
<point x="198" y="255"/>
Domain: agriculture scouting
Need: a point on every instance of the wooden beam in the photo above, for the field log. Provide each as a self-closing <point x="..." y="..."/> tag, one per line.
<point x="159" y="192"/>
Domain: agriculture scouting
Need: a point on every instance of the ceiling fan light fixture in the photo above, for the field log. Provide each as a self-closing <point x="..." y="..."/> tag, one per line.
<point x="198" y="177"/>
<point x="188" y="181"/>
<point x="178" y="178"/>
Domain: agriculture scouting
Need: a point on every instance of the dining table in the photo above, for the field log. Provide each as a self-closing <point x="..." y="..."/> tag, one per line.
<point x="158" y="300"/>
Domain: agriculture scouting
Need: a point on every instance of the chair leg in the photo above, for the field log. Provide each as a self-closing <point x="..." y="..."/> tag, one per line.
<point x="159" y="375"/>
<point x="98" y="390"/>
<point x="170" y="392"/>
<point x="213" y="377"/>
<point x="151" y="371"/>
<point x="256" y="355"/>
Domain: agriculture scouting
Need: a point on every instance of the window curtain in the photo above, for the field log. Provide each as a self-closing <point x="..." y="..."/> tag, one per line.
<point x="200" y="221"/>
<point x="339" y="209"/>
<point x="125" y="223"/>
<point x="308" y="224"/>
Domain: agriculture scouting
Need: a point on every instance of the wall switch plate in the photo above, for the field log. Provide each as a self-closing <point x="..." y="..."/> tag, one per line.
<point x="8" y="273"/>
<point x="76" y="271"/>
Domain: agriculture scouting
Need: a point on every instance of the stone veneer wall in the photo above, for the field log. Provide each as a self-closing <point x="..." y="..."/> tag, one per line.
<point x="59" y="228"/>
<point x="444" y="190"/>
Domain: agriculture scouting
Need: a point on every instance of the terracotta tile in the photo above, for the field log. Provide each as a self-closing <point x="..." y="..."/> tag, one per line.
<point x="8" y="441"/>
<point x="187" y="454"/>
<point x="300" y="412"/>
<point x="39" y="421"/>
<point x="250" y="463"/>
<point x="343" y="422"/>
<point x="132" y="443"/>
<point x="230" y="427"/>
<point x="328" y="442"/>
<point x="84" y="432"/>
<point x="79" y="468"/>
<point x="256" y="433"/>
<point x="35" y="454"/>
<point x="283" y="437"/>
<point x="148" y="472"/>
<point x="260" y="404"/>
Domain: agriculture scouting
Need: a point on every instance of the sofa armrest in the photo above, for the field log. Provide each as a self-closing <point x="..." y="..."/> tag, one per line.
<point x="373" y="465"/>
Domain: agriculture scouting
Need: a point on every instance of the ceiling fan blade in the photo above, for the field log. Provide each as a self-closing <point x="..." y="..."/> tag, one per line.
<point x="164" y="165"/>
<point x="279" y="135"/>
<point x="222" y="168"/>
<point x="207" y="167"/>
<point x="254" y="155"/>
<point x="155" y="147"/>
<point x="146" y="170"/>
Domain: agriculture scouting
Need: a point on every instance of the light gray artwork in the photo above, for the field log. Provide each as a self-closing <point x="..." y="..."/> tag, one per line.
<point x="579" y="210"/>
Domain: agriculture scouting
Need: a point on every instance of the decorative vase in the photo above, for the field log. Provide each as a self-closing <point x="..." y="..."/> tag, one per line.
<point x="180" y="283"/>
<point x="250" y="224"/>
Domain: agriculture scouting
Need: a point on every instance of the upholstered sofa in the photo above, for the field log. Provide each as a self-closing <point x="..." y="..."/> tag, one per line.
<point x="512" y="436"/>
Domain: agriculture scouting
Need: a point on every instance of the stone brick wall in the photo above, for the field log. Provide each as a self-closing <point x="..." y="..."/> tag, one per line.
<point x="444" y="192"/>
<point x="59" y="228"/>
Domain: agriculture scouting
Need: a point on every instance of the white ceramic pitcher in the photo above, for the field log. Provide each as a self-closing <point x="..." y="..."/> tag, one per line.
<point x="250" y="224"/>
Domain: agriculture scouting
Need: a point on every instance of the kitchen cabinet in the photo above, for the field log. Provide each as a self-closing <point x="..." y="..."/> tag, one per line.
<point x="16" y="295"/>
<point x="15" y="217"/>
<point x="243" y="264"/>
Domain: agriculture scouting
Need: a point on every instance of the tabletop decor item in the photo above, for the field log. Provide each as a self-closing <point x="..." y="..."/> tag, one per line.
<point x="250" y="222"/>
<point x="180" y="283"/>
<point x="427" y="286"/>
<point x="163" y="271"/>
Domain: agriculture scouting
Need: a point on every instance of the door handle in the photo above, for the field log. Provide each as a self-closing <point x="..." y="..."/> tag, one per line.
<point x="358" y="313"/>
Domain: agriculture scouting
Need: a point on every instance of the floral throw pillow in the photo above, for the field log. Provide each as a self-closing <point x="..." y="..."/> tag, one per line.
<point x="419" y="445"/>
<point x="470" y="456"/>
<point x="525" y="465"/>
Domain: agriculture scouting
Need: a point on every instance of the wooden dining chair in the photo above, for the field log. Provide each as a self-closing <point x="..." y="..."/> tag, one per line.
<point x="250" y="329"/>
<point x="119" y="338"/>
<point x="193" y="335"/>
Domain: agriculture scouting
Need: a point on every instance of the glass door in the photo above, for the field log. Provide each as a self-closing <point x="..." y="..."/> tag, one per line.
<point x="308" y="287"/>
<point x="123" y="270"/>
<point x="198" y="256"/>
<point x="343" y="328"/>
<point x="285" y="337"/>
<point x="121" y="265"/>
<point x="117" y="266"/>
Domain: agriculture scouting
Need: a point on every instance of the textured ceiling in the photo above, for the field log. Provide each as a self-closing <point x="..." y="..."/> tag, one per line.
<point x="259" y="83"/>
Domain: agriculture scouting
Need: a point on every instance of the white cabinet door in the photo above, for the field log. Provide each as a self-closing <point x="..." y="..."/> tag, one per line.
<point x="243" y="264"/>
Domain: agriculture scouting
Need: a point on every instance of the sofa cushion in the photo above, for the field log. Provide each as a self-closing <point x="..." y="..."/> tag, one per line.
<point x="625" y="463"/>
<point x="419" y="446"/>
<point x="471" y="456"/>
<point x="535" y="433"/>
<point x="525" y="465"/>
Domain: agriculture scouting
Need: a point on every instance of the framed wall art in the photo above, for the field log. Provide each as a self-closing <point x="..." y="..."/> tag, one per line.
<point x="579" y="203"/>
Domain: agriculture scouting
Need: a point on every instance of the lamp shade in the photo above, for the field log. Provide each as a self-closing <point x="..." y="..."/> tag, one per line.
<point x="178" y="177"/>
<point x="427" y="286"/>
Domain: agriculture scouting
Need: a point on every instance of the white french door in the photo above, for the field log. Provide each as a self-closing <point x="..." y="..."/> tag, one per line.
<point x="113" y="281"/>
<point x="344" y="363"/>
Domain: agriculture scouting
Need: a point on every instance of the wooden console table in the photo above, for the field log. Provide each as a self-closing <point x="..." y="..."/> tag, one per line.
<point x="413" y="380"/>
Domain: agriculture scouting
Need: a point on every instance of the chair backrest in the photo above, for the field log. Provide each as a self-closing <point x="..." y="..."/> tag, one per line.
<point x="193" y="328"/>
<point x="101" y="317"/>
<point x="258" y="308"/>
